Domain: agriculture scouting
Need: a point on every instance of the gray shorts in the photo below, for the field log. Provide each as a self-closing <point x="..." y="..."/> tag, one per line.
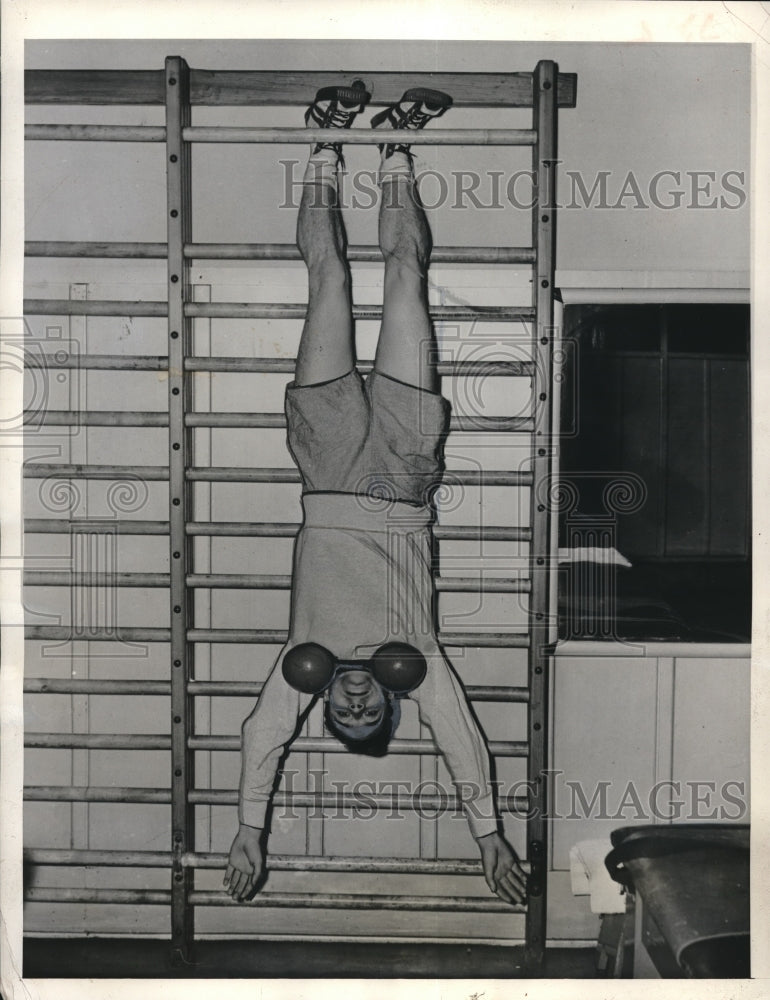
<point x="379" y="437"/>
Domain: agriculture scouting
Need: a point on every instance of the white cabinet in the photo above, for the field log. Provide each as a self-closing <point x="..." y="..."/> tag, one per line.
<point x="649" y="733"/>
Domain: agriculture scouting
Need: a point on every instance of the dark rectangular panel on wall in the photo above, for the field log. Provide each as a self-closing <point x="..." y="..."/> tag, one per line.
<point x="596" y="456"/>
<point x="687" y="478"/>
<point x="639" y="532"/>
<point x="610" y="371"/>
<point x="729" y="467"/>
<point x="598" y="409"/>
<point x="708" y="328"/>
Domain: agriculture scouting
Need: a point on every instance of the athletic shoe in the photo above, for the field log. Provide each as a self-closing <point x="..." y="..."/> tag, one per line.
<point x="336" y="107"/>
<point x="415" y="109"/>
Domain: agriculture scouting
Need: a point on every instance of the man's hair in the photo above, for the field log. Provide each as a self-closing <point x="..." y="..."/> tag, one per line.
<point x="373" y="745"/>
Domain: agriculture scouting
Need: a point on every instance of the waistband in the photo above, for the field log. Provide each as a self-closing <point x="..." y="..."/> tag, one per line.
<point x="360" y="512"/>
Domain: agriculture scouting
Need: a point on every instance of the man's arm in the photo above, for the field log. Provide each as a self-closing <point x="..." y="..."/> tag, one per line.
<point x="264" y="737"/>
<point x="245" y="864"/>
<point x="443" y="706"/>
<point x="502" y="870"/>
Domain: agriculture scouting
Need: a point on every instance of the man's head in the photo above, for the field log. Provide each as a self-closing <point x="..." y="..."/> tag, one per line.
<point x="360" y="708"/>
<point x="356" y="702"/>
<point x="359" y="712"/>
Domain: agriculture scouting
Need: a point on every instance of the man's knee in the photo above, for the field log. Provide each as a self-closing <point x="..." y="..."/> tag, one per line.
<point x="405" y="246"/>
<point x="328" y="272"/>
<point x="405" y="267"/>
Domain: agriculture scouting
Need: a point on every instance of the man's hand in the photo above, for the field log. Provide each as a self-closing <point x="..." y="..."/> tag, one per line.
<point x="245" y="863"/>
<point x="502" y="870"/>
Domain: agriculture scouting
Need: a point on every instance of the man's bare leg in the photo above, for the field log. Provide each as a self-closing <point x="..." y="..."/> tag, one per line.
<point x="406" y="348"/>
<point x="327" y="347"/>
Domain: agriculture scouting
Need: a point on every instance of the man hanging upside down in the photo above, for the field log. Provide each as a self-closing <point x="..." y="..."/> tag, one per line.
<point x="362" y="633"/>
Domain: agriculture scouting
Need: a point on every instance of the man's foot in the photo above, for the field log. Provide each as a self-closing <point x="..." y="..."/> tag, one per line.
<point x="415" y="109"/>
<point x="336" y="107"/>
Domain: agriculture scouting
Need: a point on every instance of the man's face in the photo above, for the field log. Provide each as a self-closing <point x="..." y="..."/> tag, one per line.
<point x="357" y="702"/>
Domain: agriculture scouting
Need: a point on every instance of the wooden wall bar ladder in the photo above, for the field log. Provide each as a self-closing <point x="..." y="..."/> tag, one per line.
<point x="545" y="91"/>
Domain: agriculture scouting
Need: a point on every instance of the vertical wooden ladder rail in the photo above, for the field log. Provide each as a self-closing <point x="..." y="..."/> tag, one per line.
<point x="179" y="211"/>
<point x="540" y="656"/>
